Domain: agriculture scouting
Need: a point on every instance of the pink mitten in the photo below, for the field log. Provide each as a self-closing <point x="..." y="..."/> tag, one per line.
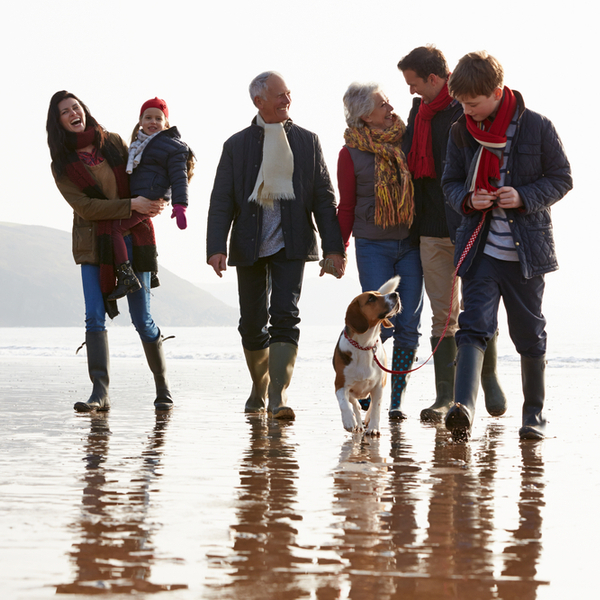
<point x="179" y="214"/>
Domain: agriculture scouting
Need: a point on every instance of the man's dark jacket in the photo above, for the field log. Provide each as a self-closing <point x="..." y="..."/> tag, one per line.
<point x="234" y="183"/>
<point x="540" y="172"/>
<point x="433" y="217"/>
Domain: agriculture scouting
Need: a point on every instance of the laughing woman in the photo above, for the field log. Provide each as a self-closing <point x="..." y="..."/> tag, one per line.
<point x="88" y="165"/>
<point x="377" y="208"/>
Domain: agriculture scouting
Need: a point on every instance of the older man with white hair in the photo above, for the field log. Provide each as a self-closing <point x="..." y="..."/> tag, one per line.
<point x="271" y="183"/>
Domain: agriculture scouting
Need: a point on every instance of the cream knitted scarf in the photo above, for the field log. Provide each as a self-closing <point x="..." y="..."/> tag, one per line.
<point x="137" y="149"/>
<point x="274" y="180"/>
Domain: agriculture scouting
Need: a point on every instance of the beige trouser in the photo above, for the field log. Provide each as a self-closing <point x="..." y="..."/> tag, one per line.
<point x="437" y="258"/>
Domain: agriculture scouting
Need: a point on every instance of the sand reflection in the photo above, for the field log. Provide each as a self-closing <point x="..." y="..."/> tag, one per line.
<point x="429" y="530"/>
<point x="263" y="563"/>
<point x="115" y="551"/>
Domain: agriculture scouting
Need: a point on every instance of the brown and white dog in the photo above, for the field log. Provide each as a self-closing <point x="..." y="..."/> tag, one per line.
<point x="356" y="373"/>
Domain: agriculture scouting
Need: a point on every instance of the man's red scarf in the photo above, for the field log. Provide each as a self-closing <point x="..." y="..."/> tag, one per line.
<point x="144" y="243"/>
<point x="420" y="157"/>
<point x="492" y="137"/>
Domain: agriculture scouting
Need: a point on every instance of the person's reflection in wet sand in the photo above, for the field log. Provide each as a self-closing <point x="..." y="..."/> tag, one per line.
<point x="521" y="557"/>
<point x="459" y="553"/>
<point x="263" y="565"/>
<point x="378" y="509"/>
<point x="115" y="553"/>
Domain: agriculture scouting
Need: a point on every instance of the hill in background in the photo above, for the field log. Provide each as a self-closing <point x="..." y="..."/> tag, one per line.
<point x="41" y="286"/>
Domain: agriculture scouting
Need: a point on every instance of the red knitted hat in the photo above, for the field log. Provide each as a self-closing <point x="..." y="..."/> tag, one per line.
<point x="155" y="103"/>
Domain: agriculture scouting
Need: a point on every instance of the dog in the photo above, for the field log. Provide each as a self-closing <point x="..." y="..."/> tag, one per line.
<point x="356" y="373"/>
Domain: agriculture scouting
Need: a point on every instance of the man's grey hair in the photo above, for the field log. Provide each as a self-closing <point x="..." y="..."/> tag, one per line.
<point x="258" y="86"/>
<point x="359" y="102"/>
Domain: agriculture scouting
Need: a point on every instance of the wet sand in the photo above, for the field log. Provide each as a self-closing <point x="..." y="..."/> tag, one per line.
<point x="210" y="503"/>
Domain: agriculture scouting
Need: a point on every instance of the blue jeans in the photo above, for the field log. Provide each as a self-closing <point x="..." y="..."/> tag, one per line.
<point x="380" y="260"/>
<point x="269" y="291"/>
<point x="494" y="279"/>
<point x="139" y="302"/>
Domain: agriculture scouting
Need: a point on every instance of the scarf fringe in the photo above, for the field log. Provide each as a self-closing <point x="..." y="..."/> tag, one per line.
<point x="394" y="193"/>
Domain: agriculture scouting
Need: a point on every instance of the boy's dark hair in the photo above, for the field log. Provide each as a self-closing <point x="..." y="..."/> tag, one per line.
<point x="476" y="74"/>
<point x="424" y="61"/>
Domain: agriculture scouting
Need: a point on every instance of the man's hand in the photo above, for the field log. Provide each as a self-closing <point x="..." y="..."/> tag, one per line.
<point x="339" y="264"/>
<point x="219" y="263"/>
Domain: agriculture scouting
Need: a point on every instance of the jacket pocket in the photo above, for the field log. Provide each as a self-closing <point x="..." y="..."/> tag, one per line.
<point x="84" y="244"/>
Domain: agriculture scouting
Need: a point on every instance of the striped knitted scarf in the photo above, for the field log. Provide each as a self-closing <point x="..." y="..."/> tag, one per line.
<point x="394" y="202"/>
<point x="144" y="243"/>
<point x="491" y="136"/>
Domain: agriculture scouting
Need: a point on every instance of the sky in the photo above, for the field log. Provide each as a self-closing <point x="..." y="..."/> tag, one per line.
<point x="200" y="57"/>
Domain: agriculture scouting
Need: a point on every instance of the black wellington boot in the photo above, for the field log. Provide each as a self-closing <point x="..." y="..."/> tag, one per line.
<point x="127" y="282"/>
<point x="533" y="372"/>
<point x="96" y="343"/>
<point x="459" y="419"/>
<point x="155" y="355"/>
<point x="443" y="364"/>
<point x="495" y="399"/>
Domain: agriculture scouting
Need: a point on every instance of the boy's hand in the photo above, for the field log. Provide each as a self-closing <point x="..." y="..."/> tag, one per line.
<point x="508" y="197"/>
<point x="482" y="199"/>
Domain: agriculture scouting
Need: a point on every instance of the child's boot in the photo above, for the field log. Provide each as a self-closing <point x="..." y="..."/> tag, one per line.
<point x="127" y="282"/>
<point x="534" y="389"/>
<point x="459" y="419"/>
<point x="495" y="399"/>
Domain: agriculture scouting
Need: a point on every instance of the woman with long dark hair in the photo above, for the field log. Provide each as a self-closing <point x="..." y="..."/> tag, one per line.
<point x="88" y="164"/>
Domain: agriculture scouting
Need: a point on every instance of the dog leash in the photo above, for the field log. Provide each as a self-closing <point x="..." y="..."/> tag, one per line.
<point x="466" y="251"/>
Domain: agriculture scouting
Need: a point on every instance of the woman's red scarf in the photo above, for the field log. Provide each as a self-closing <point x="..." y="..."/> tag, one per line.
<point x="144" y="243"/>
<point x="420" y="157"/>
<point x="492" y="137"/>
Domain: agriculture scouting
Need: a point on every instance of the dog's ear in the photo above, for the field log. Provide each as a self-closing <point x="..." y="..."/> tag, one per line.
<point x="387" y="323"/>
<point x="390" y="285"/>
<point x="355" y="318"/>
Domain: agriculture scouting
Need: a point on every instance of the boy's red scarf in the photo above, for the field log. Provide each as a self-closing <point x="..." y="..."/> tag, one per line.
<point x="144" y="243"/>
<point x="492" y="137"/>
<point x="420" y="157"/>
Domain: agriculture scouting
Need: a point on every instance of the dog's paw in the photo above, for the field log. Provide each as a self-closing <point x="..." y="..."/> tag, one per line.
<point x="373" y="432"/>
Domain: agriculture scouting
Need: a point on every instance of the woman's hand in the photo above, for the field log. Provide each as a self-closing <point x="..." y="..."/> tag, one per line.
<point x="146" y="206"/>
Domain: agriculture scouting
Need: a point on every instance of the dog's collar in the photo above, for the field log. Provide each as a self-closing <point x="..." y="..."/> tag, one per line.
<point x="357" y="345"/>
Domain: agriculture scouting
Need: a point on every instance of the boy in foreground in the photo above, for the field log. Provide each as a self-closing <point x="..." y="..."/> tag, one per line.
<point x="506" y="165"/>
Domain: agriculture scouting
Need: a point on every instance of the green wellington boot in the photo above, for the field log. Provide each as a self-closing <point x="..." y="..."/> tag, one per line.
<point x="258" y="365"/>
<point x="282" y="358"/>
<point x="443" y="364"/>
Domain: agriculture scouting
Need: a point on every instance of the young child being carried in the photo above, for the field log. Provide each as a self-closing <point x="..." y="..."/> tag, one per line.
<point x="160" y="166"/>
<point x="506" y="165"/>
